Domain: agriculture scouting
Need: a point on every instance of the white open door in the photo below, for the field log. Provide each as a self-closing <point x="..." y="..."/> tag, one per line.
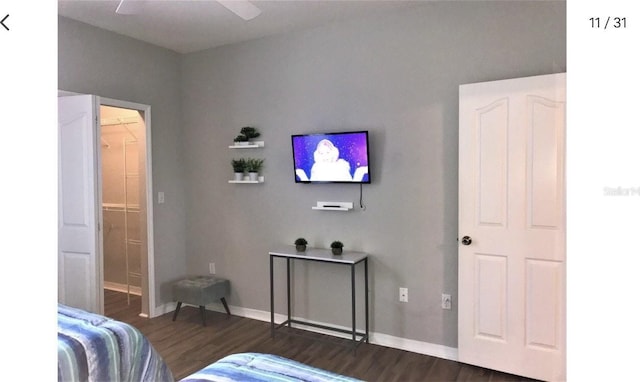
<point x="79" y="242"/>
<point x="512" y="226"/>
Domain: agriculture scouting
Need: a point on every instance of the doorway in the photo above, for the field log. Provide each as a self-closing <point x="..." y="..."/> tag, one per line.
<point x="122" y="140"/>
<point x="126" y="217"/>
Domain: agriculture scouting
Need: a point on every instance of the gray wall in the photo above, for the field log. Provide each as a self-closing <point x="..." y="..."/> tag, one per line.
<point x="94" y="61"/>
<point x="395" y="75"/>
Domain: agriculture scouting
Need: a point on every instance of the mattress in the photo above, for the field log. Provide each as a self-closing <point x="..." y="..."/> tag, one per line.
<point x="259" y="367"/>
<point x="92" y="347"/>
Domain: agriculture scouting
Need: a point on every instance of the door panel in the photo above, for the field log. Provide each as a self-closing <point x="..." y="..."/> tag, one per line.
<point x="511" y="203"/>
<point x="543" y="304"/>
<point x="491" y="288"/>
<point x="79" y="265"/>
<point x="545" y="167"/>
<point x="492" y="161"/>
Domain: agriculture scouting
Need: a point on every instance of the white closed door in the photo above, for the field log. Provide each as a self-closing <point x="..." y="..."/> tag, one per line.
<point x="511" y="287"/>
<point x="79" y="242"/>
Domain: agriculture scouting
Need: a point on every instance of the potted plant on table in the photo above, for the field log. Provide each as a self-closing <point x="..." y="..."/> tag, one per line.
<point x="253" y="167"/>
<point x="301" y="244"/>
<point x="239" y="165"/>
<point x="336" y="247"/>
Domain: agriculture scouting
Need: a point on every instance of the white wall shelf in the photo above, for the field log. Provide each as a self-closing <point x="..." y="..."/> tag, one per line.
<point x="250" y="145"/>
<point x="333" y="206"/>
<point x="260" y="180"/>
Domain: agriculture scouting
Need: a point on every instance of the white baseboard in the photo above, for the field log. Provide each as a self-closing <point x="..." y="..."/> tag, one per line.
<point x="382" y="339"/>
<point x="414" y="346"/>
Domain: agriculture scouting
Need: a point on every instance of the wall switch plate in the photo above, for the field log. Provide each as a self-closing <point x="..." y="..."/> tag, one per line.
<point x="446" y="301"/>
<point x="160" y="197"/>
<point x="404" y="295"/>
<point x="212" y="268"/>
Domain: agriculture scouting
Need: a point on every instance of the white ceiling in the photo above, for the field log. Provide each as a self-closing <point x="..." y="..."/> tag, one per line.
<point x="188" y="26"/>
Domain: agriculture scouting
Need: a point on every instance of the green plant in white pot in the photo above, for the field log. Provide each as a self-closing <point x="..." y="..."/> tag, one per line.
<point x="239" y="166"/>
<point x="249" y="132"/>
<point x="241" y="140"/>
<point x="253" y="168"/>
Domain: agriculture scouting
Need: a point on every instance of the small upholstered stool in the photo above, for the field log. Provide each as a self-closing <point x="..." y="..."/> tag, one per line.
<point x="201" y="290"/>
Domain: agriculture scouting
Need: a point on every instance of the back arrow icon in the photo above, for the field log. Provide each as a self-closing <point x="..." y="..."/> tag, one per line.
<point x="2" y="22"/>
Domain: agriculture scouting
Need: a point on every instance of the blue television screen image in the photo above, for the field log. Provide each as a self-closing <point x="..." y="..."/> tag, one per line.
<point x="331" y="158"/>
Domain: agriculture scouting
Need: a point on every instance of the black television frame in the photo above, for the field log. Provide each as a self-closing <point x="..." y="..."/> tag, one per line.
<point x="319" y="136"/>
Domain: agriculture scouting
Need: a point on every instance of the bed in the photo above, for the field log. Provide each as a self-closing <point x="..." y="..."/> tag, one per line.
<point x="92" y="347"/>
<point x="259" y="367"/>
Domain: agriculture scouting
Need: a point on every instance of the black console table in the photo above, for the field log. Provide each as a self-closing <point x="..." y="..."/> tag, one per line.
<point x="348" y="258"/>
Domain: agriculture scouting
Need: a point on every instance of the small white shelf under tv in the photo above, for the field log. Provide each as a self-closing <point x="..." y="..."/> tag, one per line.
<point x="333" y="206"/>
<point x="249" y="145"/>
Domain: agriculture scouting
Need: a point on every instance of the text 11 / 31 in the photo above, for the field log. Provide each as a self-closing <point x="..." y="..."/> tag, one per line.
<point x="609" y="22"/>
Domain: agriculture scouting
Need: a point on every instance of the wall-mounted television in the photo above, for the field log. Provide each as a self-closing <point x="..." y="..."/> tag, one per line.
<point x="341" y="157"/>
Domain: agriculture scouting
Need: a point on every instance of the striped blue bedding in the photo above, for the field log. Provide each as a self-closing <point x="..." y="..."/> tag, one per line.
<point x="92" y="347"/>
<point x="258" y="367"/>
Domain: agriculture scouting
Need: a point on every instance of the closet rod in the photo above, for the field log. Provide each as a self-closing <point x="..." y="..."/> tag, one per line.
<point x="113" y="209"/>
<point x="121" y="207"/>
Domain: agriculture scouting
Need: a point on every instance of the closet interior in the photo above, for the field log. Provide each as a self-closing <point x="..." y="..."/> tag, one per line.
<point x="124" y="223"/>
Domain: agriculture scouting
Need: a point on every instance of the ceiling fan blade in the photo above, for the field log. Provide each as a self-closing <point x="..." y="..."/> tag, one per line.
<point x="242" y="8"/>
<point x="130" y="7"/>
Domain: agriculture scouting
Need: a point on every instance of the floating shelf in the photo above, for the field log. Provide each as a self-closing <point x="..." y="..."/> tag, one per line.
<point x="333" y="206"/>
<point x="251" y="145"/>
<point x="260" y="180"/>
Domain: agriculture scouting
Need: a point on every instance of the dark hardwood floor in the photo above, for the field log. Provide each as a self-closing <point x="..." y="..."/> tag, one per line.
<point x="187" y="346"/>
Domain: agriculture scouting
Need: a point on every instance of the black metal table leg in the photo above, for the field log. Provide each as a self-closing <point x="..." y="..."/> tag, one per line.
<point x="366" y="298"/>
<point x="353" y="301"/>
<point x="289" y="291"/>
<point x="273" y="328"/>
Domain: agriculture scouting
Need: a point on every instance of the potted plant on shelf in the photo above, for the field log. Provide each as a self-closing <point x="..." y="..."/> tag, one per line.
<point x="241" y="140"/>
<point x="336" y="247"/>
<point x="253" y="167"/>
<point x="301" y="244"/>
<point x="239" y="165"/>
<point x="249" y="132"/>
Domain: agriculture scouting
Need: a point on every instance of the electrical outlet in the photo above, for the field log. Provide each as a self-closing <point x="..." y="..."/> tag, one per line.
<point x="446" y="301"/>
<point x="212" y="268"/>
<point x="404" y="295"/>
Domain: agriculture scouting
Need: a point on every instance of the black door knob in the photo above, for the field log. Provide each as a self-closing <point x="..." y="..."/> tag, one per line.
<point x="466" y="240"/>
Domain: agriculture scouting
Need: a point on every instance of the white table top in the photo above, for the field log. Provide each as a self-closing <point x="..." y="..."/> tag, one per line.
<point x="319" y="254"/>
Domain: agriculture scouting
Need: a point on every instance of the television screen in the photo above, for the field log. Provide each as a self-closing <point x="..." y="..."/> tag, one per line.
<point x="331" y="157"/>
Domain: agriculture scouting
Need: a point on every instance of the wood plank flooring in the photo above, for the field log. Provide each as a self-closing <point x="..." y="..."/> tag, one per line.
<point x="187" y="347"/>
